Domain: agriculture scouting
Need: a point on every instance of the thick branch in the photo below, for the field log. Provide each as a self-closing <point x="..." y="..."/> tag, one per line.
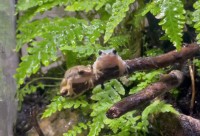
<point x="173" y="79"/>
<point x="191" y="126"/>
<point x="163" y="60"/>
<point x="183" y="125"/>
<point x="147" y="63"/>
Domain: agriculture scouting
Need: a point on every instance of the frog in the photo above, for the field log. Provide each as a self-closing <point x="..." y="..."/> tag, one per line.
<point x="109" y="59"/>
<point x="76" y="74"/>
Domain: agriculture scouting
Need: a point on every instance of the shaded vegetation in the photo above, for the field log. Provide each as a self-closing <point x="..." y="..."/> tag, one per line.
<point x="133" y="27"/>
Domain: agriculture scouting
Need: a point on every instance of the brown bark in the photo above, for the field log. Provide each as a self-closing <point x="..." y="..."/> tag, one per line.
<point x="163" y="60"/>
<point x="145" y="63"/>
<point x="183" y="125"/>
<point x="173" y="79"/>
<point x="191" y="126"/>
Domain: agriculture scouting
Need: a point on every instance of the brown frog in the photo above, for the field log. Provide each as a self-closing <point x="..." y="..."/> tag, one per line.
<point x="109" y="59"/>
<point x="76" y="74"/>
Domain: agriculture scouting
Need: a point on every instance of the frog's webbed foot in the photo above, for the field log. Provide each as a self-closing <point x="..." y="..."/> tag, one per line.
<point x="127" y="67"/>
<point x="69" y="88"/>
<point x="90" y="83"/>
<point x="123" y="68"/>
<point x="71" y="92"/>
<point x="98" y="73"/>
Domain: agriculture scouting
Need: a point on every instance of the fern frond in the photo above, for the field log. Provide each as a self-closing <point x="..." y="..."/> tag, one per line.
<point x="31" y="63"/>
<point x="144" y="79"/>
<point x="23" y="5"/>
<point x="66" y="34"/>
<point x="31" y="8"/>
<point x="97" y="125"/>
<point x="152" y="7"/>
<point x="154" y="108"/>
<point x="196" y="19"/>
<point x="119" y="9"/>
<point x="118" y="41"/>
<point x="174" y="21"/>
<point x="76" y="129"/>
<point x="197" y="64"/>
<point x="59" y="103"/>
<point x="27" y="89"/>
<point x="124" y="125"/>
<point x="172" y="15"/>
<point x="104" y="99"/>
<point x="86" y="5"/>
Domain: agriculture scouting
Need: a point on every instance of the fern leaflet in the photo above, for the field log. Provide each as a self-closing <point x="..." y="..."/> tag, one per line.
<point x="58" y="103"/>
<point x="119" y="9"/>
<point x="196" y="19"/>
<point x="156" y="107"/>
<point x="86" y="5"/>
<point x="171" y="13"/>
<point x="66" y="34"/>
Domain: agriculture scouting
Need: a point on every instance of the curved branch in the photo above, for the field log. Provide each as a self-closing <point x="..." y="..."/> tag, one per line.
<point x="191" y="126"/>
<point x="146" y="63"/>
<point x="163" y="60"/>
<point x="169" y="81"/>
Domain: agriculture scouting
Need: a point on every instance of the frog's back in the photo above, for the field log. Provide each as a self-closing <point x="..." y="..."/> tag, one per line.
<point x="71" y="71"/>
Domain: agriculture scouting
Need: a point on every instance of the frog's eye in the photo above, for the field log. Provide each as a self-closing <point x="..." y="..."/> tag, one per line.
<point x="81" y="72"/>
<point x="114" y="51"/>
<point x="100" y="52"/>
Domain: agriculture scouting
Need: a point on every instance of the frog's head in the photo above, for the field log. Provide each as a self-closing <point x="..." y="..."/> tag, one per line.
<point x="107" y="52"/>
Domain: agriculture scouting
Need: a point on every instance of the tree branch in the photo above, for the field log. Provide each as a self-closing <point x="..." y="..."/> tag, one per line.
<point x="163" y="60"/>
<point x="146" y="63"/>
<point x="191" y="126"/>
<point x="169" y="81"/>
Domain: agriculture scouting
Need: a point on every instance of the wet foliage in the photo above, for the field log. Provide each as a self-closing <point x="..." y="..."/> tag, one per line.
<point x="73" y="36"/>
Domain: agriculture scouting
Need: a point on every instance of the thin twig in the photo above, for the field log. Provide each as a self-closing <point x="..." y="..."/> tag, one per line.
<point x="34" y="121"/>
<point x="41" y="78"/>
<point x="193" y="87"/>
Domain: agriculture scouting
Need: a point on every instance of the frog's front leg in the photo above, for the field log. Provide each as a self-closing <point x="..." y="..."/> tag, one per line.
<point x="123" y="67"/>
<point x="70" y="88"/>
<point x="63" y="87"/>
<point x="90" y="83"/>
<point x="96" y="71"/>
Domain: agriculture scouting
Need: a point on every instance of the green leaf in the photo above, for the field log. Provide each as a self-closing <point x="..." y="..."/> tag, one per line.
<point x="172" y="15"/>
<point x="26" y="4"/>
<point x="104" y="99"/>
<point x="196" y="19"/>
<point x="173" y="21"/>
<point x="123" y="125"/>
<point x="58" y="103"/>
<point x="154" y="108"/>
<point x="76" y="129"/>
<point x="119" y="41"/>
<point x="97" y="125"/>
<point x="27" y="89"/>
<point x="119" y="9"/>
<point x="86" y="5"/>
<point x="197" y="64"/>
<point x="66" y="34"/>
<point x="152" y="7"/>
<point x="32" y="7"/>
<point x="31" y="63"/>
<point x="144" y="79"/>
